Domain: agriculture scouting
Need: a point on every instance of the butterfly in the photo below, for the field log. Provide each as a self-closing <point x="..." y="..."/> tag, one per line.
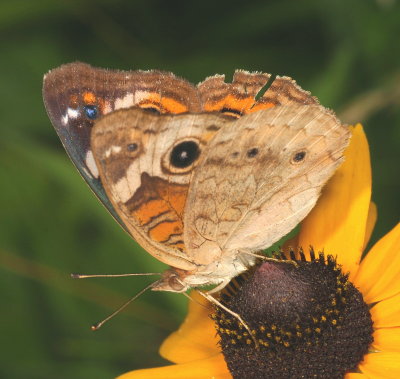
<point x="203" y="177"/>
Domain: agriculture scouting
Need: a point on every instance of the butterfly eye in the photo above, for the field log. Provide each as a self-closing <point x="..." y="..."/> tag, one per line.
<point x="298" y="157"/>
<point x="91" y="111"/>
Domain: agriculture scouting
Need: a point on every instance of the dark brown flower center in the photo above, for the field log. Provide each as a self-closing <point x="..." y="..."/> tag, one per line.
<point x="308" y="319"/>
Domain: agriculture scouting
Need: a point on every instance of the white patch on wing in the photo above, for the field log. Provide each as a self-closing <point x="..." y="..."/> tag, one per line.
<point x="141" y="95"/>
<point x="107" y="107"/>
<point x="112" y="150"/>
<point x="64" y="119"/>
<point x="121" y="190"/>
<point x="126" y="187"/>
<point x="91" y="164"/>
<point x="124" y="102"/>
<point x="73" y="113"/>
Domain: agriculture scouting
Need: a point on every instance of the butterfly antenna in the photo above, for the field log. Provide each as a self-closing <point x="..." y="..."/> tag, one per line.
<point x="98" y="325"/>
<point x="84" y="276"/>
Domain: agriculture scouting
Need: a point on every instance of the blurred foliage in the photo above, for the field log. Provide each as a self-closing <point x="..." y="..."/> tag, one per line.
<point x="346" y="52"/>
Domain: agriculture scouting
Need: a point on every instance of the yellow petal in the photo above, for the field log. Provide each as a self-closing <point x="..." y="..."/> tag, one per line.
<point x="337" y="224"/>
<point x="379" y="272"/>
<point x="371" y="221"/>
<point x="381" y="365"/>
<point x="386" y="313"/>
<point x="214" y="367"/>
<point x="354" y="375"/>
<point x="387" y="340"/>
<point x="196" y="338"/>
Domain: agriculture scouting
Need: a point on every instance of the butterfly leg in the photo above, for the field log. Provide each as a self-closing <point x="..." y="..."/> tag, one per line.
<point x="219" y="287"/>
<point x="213" y="300"/>
<point x="265" y="258"/>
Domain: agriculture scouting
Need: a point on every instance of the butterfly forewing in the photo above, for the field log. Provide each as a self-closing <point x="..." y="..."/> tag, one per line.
<point x="76" y="95"/>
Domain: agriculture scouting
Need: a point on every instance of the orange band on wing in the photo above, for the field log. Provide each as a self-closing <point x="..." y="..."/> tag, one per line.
<point x="158" y="207"/>
<point x="150" y="210"/>
<point x="175" y="195"/>
<point x="162" y="103"/>
<point x="89" y="98"/>
<point x="163" y="231"/>
<point x="230" y="102"/>
<point x="260" y="106"/>
<point x="173" y="106"/>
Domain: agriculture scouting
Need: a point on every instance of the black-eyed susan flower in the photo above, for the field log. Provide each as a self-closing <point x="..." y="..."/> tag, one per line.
<point x="347" y="283"/>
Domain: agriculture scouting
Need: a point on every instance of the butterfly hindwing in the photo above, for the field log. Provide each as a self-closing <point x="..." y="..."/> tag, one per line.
<point x="275" y="163"/>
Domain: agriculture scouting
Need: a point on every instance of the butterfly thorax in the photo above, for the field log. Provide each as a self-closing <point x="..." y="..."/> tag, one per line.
<point x="216" y="273"/>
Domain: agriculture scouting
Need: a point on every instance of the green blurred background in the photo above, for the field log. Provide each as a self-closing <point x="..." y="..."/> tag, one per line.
<point x="346" y="52"/>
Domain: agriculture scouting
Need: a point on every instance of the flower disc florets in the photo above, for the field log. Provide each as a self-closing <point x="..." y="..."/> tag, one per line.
<point x="309" y="321"/>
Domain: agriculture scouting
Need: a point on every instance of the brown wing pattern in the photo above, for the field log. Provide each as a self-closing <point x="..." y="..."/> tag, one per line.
<point x="146" y="164"/>
<point x="275" y="163"/>
<point x="242" y="95"/>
